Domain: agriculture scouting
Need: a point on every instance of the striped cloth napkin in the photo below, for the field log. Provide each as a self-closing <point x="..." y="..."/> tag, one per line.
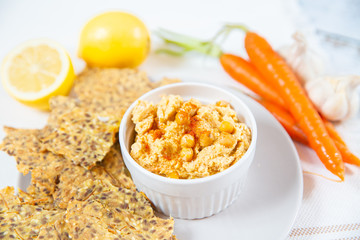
<point x="330" y="210"/>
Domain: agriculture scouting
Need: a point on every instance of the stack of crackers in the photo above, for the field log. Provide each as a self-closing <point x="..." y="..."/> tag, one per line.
<point x="80" y="187"/>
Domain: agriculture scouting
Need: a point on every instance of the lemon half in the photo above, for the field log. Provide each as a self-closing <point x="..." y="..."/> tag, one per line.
<point x="35" y="71"/>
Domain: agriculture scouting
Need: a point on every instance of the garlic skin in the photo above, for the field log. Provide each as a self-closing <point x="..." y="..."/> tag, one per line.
<point x="336" y="98"/>
<point x="305" y="61"/>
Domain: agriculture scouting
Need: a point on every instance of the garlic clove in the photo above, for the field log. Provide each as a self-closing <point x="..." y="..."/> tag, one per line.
<point x="319" y="91"/>
<point x="336" y="98"/>
<point x="336" y="107"/>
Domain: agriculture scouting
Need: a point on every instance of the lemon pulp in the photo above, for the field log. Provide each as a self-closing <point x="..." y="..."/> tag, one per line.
<point x="37" y="70"/>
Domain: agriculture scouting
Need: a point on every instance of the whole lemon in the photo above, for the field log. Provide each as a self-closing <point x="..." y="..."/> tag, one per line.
<point x="114" y="39"/>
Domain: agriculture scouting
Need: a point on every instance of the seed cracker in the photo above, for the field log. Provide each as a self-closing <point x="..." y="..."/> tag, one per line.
<point x="100" y="173"/>
<point x="79" y="183"/>
<point x="57" y="155"/>
<point x="25" y="146"/>
<point x="87" y="227"/>
<point x="22" y="218"/>
<point x="137" y="227"/>
<point x="49" y="232"/>
<point x="60" y="105"/>
<point x="117" y="83"/>
<point x="27" y="228"/>
<point x="111" y="91"/>
<point x="82" y="137"/>
<point x="111" y="213"/>
<point x="70" y="181"/>
<point x="123" y="223"/>
<point x="124" y="199"/>
<point x="113" y="163"/>
<point x="31" y="155"/>
<point x="8" y="199"/>
<point x="35" y="199"/>
<point x="115" y="197"/>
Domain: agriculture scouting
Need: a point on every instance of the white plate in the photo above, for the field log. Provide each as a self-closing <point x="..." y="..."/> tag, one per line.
<point x="268" y="207"/>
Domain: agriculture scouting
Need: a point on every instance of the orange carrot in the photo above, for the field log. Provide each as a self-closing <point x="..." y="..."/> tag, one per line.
<point x="332" y="131"/>
<point x="279" y="74"/>
<point x="289" y="123"/>
<point x="286" y="120"/>
<point x="243" y="72"/>
<point x="347" y="155"/>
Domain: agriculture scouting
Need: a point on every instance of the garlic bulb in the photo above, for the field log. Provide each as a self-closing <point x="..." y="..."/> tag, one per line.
<point x="305" y="61"/>
<point x="336" y="98"/>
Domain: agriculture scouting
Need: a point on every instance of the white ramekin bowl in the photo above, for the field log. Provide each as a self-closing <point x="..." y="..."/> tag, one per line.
<point x="190" y="198"/>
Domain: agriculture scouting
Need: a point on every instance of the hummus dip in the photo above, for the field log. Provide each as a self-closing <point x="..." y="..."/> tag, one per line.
<point x="186" y="139"/>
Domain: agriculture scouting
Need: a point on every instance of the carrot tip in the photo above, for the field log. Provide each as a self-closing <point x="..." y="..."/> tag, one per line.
<point x="341" y="176"/>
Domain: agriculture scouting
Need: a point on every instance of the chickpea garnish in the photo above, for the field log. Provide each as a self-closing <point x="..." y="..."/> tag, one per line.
<point x="227" y="140"/>
<point x="173" y="175"/>
<point x="206" y="139"/>
<point x="187" y="154"/>
<point x="182" y="118"/>
<point x="226" y="126"/>
<point x="188" y="141"/>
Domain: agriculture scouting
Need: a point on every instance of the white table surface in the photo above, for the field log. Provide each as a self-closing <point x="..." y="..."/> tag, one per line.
<point x="21" y="20"/>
